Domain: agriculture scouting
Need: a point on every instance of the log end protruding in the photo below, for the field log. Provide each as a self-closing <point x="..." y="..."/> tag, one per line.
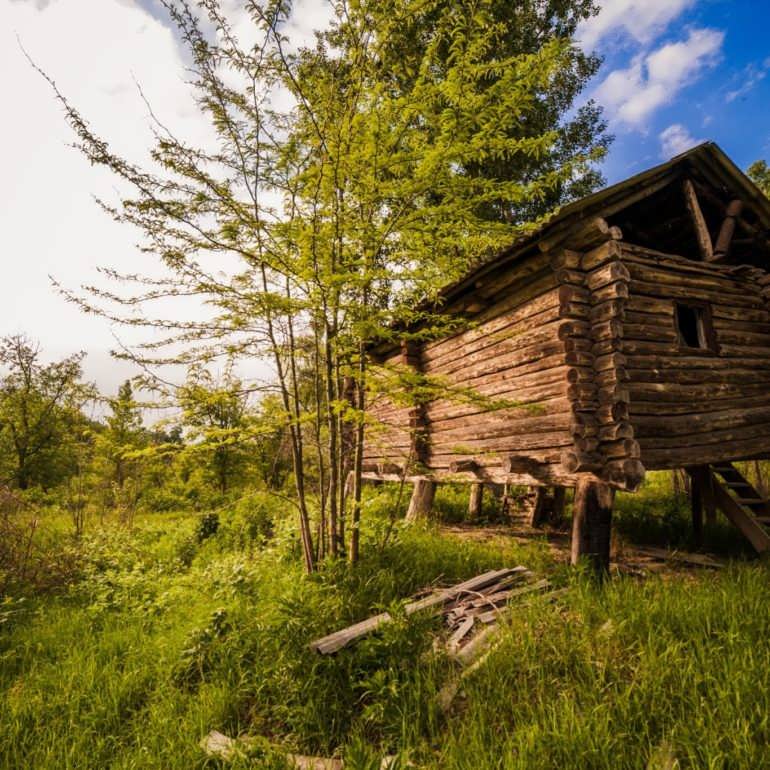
<point x="389" y="469"/>
<point x="464" y="466"/>
<point x="627" y="474"/>
<point x="591" y="233"/>
<point x="575" y="461"/>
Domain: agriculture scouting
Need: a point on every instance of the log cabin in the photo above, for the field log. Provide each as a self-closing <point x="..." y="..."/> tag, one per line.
<point x="630" y="333"/>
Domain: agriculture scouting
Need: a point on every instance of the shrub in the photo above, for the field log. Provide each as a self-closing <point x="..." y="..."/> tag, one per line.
<point x="208" y="526"/>
<point x="251" y="521"/>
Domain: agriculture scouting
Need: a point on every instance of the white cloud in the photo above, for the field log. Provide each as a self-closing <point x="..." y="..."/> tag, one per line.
<point x="751" y="77"/>
<point x="675" y="140"/>
<point x="643" y="20"/>
<point x="95" y="51"/>
<point x="652" y="80"/>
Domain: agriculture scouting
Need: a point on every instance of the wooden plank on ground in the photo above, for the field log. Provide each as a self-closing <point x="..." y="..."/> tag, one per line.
<point x="339" y="639"/>
<point x="460" y="634"/>
<point x="698" y="559"/>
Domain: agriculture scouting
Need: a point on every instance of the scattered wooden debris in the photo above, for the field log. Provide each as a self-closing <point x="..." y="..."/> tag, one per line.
<point x="475" y="653"/>
<point x="697" y="559"/>
<point x="447" y="599"/>
<point x="476" y="604"/>
<point x="222" y="746"/>
<point x="217" y="744"/>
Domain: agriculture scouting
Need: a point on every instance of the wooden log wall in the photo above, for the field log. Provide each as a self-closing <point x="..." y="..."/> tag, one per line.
<point x="596" y="284"/>
<point x="694" y="407"/>
<point x="512" y="352"/>
<point x="586" y="344"/>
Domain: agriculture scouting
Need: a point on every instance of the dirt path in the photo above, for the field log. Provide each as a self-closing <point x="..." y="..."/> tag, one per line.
<point x="626" y="558"/>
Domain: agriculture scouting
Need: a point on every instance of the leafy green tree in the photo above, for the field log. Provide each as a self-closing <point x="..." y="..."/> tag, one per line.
<point x="123" y="433"/>
<point x="270" y="448"/>
<point x="216" y="419"/>
<point x="341" y="191"/>
<point x="40" y="412"/>
<point x="406" y="30"/>
<point x="760" y="175"/>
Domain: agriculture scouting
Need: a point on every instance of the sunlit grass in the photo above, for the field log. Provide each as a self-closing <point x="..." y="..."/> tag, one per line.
<point x="166" y="637"/>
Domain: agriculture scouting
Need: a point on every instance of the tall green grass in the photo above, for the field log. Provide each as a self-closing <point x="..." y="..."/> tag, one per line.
<point x="172" y="632"/>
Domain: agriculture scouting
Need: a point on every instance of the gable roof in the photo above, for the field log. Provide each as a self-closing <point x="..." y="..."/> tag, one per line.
<point x="707" y="162"/>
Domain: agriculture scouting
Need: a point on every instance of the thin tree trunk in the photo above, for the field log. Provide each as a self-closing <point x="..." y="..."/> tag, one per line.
<point x="322" y="527"/>
<point x="331" y="420"/>
<point x="358" y="460"/>
<point x="296" y="442"/>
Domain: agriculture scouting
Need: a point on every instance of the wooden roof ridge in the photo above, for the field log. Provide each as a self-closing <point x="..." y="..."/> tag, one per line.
<point x="708" y="159"/>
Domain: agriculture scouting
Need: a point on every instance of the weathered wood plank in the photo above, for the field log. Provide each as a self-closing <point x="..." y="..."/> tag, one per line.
<point x="339" y="639"/>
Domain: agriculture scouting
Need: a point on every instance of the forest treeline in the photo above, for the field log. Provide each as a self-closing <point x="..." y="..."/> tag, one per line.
<point x="65" y="444"/>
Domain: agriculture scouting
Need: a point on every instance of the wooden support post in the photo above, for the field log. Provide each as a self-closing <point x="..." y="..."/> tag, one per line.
<point x="707" y="498"/>
<point x="421" y="503"/>
<point x="701" y="484"/>
<point x="476" y="500"/>
<point x="539" y="508"/>
<point x="699" y="476"/>
<point x="699" y="223"/>
<point x="559" y="499"/>
<point x="592" y="524"/>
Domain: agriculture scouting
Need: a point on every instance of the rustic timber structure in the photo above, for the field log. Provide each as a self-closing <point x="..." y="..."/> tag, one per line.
<point x="631" y="332"/>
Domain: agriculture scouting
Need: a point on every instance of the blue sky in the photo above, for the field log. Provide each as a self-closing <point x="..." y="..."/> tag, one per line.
<point x="725" y="97"/>
<point x="675" y="72"/>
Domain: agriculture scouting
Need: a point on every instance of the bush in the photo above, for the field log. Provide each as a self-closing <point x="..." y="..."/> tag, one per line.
<point x="251" y="521"/>
<point x="208" y="526"/>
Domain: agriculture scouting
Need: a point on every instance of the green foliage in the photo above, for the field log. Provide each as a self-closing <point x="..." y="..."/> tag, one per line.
<point x="208" y="526"/>
<point x="118" y="443"/>
<point x="349" y="182"/>
<point x="41" y="423"/>
<point x="216" y="418"/>
<point x="760" y="175"/>
<point x="250" y="521"/>
<point x="199" y="656"/>
<point x="143" y="657"/>
<point x="405" y="30"/>
<point x="659" y="515"/>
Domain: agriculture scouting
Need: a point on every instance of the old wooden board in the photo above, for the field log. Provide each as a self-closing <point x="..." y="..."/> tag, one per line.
<point x="339" y="639"/>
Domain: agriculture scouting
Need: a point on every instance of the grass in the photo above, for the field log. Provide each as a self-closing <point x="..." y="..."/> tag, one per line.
<point x="166" y="637"/>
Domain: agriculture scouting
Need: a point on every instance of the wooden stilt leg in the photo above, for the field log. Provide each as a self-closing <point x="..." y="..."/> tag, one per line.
<point x="592" y="524"/>
<point x="702" y="482"/>
<point x="421" y="503"/>
<point x="707" y="497"/>
<point x="559" y="497"/>
<point x="539" y="508"/>
<point x="698" y="480"/>
<point x="476" y="500"/>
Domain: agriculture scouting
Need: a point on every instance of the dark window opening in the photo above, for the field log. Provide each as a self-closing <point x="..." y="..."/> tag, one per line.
<point x="694" y="327"/>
